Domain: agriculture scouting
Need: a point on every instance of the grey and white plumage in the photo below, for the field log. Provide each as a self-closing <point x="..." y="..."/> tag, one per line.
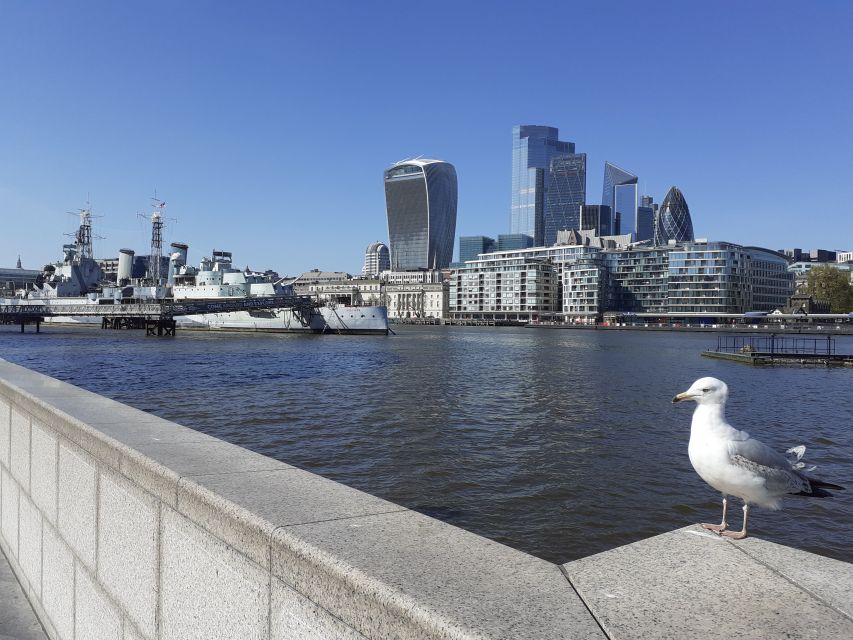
<point x="734" y="463"/>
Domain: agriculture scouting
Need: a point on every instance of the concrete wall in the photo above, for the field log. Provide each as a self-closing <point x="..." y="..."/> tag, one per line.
<point x="121" y="525"/>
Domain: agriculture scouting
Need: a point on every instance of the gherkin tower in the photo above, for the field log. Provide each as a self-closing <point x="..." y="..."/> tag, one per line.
<point x="672" y="221"/>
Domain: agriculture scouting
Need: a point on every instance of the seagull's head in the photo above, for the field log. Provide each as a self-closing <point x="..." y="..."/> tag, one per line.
<point x="705" y="391"/>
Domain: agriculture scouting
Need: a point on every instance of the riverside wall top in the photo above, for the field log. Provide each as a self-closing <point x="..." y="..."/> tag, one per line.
<point x="119" y="524"/>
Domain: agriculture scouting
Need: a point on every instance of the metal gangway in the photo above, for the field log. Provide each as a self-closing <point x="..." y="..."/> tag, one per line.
<point x="156" y="317"/>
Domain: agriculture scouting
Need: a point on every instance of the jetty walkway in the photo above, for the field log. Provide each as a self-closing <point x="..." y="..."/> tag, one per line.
<point x="118" y="524"/>
<point x="157" y="318"/>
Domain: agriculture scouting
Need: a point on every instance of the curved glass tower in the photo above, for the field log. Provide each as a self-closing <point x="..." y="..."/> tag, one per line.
<point x="672" y="221"/>
<point x="420" y="199"/>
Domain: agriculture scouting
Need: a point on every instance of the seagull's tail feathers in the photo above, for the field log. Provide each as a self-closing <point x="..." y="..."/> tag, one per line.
<point x="819" y="489"/>
<point x="814" y="482"/>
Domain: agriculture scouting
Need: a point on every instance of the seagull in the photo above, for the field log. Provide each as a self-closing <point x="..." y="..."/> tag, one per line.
<point x="736" y="464"/>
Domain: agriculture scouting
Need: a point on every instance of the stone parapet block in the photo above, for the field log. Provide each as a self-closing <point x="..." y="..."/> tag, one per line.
<point x="694" y="583"/>
<point x="208" y="590"/>
<point x="128" y="543"/>
<point x="405" y="575"/>
<point x="5" y="432"/>
<point x="244" y="508"/>
<point x="19" y="449"/>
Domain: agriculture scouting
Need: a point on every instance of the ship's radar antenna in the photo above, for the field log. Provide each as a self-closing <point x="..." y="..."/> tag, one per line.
<point x="158" y="222"/>
<point x="83" y="236"/>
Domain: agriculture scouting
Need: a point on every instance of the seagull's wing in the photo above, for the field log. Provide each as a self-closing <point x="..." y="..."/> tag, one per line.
<point x="763" y="461"/>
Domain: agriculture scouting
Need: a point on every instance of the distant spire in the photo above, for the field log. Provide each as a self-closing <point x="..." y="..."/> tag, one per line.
<point x="18" y="266"/>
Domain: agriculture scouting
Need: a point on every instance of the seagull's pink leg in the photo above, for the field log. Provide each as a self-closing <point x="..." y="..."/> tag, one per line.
<point x="738" y="535"/>
<point x="719" y="528"/>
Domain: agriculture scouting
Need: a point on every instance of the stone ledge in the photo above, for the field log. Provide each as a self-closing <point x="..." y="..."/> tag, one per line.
<point x="405" y="575"/>
<point x="690" y="583"/>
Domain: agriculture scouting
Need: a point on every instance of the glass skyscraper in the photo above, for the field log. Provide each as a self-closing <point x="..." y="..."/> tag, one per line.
<point x="672" y="221"/>
<point x="596" y="217"/>
<point x="646" y="218"/>
<point x="420" y="199"/>
<point x="510" y="241"/>
<point x="472" y="246"/>
<point x="533" y="147"/>
<point x="620" y="194"/>
<point x="565" y="193"/>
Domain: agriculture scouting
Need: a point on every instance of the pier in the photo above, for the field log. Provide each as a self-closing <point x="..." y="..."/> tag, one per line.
<point x="155" y="317"/>
<point x="774" y="349"/>
<point x="116" y="523"/>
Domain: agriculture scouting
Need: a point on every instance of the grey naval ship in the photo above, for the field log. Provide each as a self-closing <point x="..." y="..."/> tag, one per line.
<point x="79" y="279"/>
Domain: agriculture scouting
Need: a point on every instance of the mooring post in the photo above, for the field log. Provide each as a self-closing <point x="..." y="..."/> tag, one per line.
<point x="38" y="326"/>
<point x="22" y="326"/>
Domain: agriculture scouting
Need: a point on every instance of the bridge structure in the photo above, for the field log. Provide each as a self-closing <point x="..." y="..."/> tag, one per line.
<point x="156" y="317"/>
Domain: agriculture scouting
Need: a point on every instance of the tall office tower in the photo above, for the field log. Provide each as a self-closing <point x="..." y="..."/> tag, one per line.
<point x="564" y="195"/>
<point x="376" y="260"/>
<point x="620" y="194"/>
<point x="596" y="217"/>
<point x="646" y="218"/>
<point x="672" y="221"/>
<point x="533" y="147"/>
<point x="472" y="246"/>
<point x="513" y="241"/>
<point x="420" y="198"/>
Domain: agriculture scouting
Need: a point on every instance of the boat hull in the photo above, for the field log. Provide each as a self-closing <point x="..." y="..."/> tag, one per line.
<point x="340" y="319"/>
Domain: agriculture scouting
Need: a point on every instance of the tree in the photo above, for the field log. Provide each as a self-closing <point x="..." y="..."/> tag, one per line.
<point x="833" y="285"/>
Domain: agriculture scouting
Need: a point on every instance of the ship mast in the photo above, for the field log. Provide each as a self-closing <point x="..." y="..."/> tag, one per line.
<point x="157" y="224"/>
<point x="83" y="237"/>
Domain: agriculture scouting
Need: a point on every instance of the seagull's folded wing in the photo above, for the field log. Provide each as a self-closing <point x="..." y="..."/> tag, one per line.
<point x="766" y="463"/>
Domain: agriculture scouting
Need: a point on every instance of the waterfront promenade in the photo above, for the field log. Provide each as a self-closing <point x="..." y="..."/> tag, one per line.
<point x="119" y="524"/>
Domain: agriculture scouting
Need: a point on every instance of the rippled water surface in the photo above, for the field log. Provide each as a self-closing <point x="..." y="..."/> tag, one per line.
<point x="560" y="443"/>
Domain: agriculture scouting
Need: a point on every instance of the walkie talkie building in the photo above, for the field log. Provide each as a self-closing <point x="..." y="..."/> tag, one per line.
<point x="420" y="199"/>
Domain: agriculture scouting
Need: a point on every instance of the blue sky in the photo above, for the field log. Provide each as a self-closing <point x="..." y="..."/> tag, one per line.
<point x="266" y="125"/>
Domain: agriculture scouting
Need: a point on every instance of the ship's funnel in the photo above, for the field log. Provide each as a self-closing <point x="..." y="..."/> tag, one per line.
<point x="180" y="248"/>
<point x="125" y="266"/>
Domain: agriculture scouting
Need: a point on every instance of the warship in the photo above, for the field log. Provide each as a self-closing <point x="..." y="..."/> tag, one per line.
<point x="79" y="279"/>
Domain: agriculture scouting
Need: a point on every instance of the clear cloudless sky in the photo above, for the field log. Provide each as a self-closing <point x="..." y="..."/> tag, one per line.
<point x="266" y="126"/>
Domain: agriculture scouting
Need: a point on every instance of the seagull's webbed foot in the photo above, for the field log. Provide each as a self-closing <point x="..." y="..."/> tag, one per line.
<point x="719" y="528"/>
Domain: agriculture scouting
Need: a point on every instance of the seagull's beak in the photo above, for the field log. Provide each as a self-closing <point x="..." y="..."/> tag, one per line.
<point x="683" y="396"/>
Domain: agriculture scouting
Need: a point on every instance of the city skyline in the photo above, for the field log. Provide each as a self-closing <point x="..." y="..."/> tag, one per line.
<point x="234" y="115"/>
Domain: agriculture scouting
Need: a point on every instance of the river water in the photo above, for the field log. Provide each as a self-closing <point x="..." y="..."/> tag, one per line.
<point x="561" y="443"/>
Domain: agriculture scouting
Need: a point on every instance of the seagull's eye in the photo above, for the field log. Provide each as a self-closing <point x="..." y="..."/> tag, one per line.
<point x="705" y="390"/>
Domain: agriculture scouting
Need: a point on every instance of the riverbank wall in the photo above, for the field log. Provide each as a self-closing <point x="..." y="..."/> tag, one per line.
<point x="823" y="330"/>
<point x="121" y="525"/>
